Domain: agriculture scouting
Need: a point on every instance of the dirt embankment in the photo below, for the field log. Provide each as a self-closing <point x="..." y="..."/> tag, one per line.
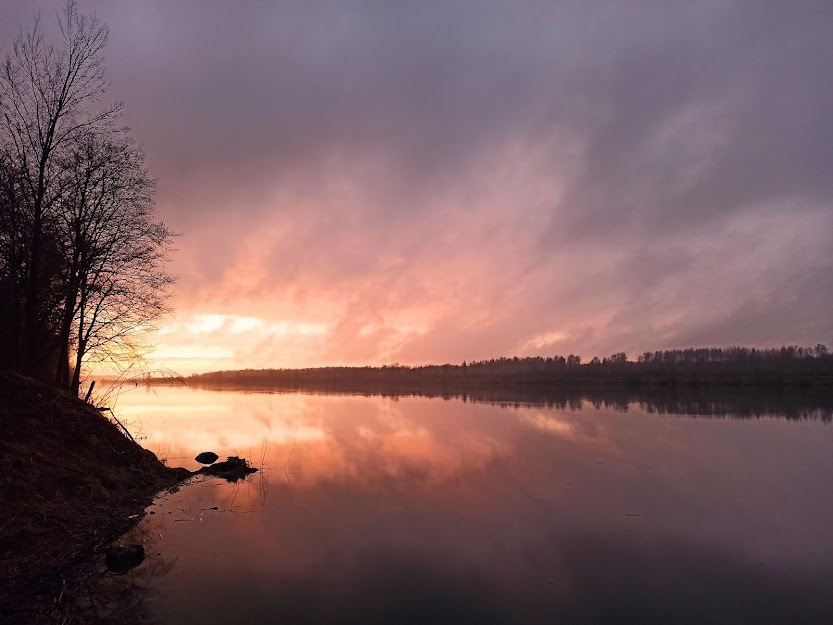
<point x="69" y="481"/>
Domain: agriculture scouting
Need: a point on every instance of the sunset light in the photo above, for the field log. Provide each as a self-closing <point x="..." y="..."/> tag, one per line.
<point x="382" y="312"/>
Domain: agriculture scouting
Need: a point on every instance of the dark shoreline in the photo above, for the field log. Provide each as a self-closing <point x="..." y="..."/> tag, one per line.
<point x="791" y="366"/>
<point x="70" y="483"/>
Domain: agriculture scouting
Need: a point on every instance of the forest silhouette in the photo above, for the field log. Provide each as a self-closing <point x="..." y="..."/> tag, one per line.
<point x="790" y="382"/>
<point x="784" y="366"/>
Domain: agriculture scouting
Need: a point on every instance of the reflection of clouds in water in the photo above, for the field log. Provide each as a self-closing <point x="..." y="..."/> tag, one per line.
<point x="374" y="440"/>
<point x="193" y="438"/>
<point x="187" y="421"/>
<point x="585" y="429"/>
<point x="331" y="437"/>
<point x="552" y="425"/>
<point x="388" y="443"/>
<point x="512" y="507"/>
<point x="435" y="458"/>
<point x="514" y="514"/>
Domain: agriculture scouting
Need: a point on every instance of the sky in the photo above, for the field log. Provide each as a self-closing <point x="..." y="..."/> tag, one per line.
<point x="370" y="182"/>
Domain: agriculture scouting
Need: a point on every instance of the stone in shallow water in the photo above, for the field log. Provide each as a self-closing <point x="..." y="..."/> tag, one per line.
<point x="207" y="457"/>
<point x="233" y="469"/>
<point x="122" y="559"/>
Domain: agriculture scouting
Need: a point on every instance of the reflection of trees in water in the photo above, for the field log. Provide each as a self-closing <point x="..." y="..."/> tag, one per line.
<point x="792" y="382"/>
<point x="715" y="403"/>
<point x="738" y="402"/>
<point x="743" y="408"/>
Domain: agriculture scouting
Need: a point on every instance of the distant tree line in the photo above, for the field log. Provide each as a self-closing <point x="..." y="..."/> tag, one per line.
<point x="730" y="366"/>
<point x="81" y="251"/>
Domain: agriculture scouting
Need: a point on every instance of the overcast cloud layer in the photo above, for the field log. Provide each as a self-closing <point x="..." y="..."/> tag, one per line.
<point x="379" y="181"/>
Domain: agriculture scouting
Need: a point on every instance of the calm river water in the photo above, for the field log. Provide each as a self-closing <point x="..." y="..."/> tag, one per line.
<point x="420" y="510"/>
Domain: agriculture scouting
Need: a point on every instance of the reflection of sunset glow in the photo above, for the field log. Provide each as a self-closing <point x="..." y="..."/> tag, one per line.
<point x="353" y="488"/>
<point x="331" y="437"/>
<point x="573" y="427"/>
<point x="551" y="424"/>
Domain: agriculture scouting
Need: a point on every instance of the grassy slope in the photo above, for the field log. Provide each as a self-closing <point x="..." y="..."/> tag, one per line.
<point x="69" y="480"/>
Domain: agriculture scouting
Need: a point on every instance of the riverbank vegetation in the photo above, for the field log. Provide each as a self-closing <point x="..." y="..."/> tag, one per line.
<point x="71" y="482"/>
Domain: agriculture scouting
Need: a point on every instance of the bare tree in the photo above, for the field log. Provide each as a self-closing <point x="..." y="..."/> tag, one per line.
<point x="82" y="253"/>
<point x="48" y="97"/>
<point x="117" y="286"/>
<point x="13" y="251"/>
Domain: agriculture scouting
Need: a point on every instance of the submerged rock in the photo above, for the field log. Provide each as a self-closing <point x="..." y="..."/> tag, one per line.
<point x="122" y="559"/>
<point x="207" y="457"/>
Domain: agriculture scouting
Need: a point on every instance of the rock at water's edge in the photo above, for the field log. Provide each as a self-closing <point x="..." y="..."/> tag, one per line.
<point x="122" y="559"/>
<point x="207" y="457"/>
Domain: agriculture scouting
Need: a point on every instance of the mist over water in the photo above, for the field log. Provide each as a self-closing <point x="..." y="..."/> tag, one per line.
<point x="415" y="509"/>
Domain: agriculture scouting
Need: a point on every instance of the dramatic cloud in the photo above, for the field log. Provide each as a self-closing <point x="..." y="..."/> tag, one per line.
<point x="367" y="182"/>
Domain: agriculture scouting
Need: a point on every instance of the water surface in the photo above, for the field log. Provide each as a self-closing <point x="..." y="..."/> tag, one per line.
<point x="424" y="510"/>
